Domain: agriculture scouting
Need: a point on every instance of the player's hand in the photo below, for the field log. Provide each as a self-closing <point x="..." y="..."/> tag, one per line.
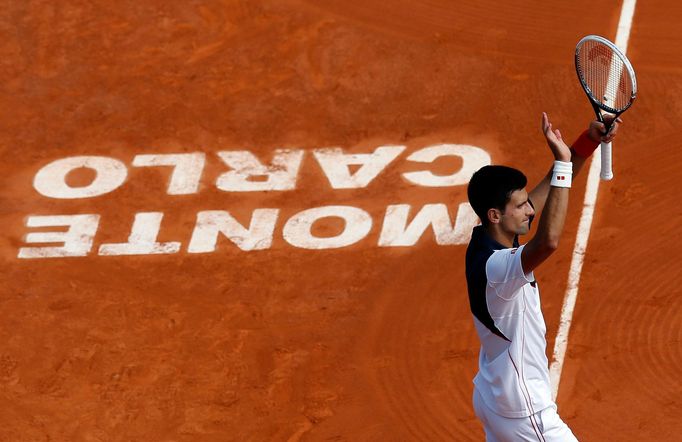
<point x="560" y="150"/>
<point x="597" y="130"/>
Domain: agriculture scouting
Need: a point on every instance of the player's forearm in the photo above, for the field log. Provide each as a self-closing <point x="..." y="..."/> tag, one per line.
<point x="546" y="239"/>
<point x="578" y="163"/>
<point x="539" y="193"/>
<point x="581" y="150"/>
<point x="552" y="218"/>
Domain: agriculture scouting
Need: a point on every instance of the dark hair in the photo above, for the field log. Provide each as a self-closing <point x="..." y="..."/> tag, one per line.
<point x="491" y="187"/>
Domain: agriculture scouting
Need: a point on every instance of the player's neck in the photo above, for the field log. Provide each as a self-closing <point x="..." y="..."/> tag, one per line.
<point x="499" y="235"/>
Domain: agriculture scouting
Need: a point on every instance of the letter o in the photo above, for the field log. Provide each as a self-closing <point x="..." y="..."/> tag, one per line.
<point x="297" y="230"/>
<point x="50" y="181"/>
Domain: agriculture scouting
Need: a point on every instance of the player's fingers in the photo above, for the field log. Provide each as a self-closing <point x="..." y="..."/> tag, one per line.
<point x="612" y="133"/>
<point x="545" y="122"/>
<point x="615" y="127"/>
<point x="609" y="117"/>
<point x="607" y="136"/>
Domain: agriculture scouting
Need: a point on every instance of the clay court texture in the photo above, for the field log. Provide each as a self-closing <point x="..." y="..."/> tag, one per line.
<point x="246" y="221"/>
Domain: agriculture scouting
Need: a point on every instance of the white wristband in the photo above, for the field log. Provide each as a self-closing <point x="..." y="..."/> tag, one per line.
<point x="562" y="174"/>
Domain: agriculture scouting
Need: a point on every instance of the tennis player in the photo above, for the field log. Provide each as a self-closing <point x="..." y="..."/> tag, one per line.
<point x="512" y="393"/>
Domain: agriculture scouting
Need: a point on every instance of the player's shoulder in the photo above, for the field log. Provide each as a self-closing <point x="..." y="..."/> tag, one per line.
<point x="504" y="264"/>
<point x="506" y="253"/>
<point x="502" y="256"/>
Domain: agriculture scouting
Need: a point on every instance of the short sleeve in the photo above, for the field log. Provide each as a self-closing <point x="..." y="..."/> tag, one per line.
<point x="505" y="272"/>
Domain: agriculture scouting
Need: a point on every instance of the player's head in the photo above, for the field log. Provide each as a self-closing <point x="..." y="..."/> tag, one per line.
<point x="498" y="196"/>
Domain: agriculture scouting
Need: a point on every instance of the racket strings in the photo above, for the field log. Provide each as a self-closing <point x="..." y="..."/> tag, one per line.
<point x="605" y="74"/>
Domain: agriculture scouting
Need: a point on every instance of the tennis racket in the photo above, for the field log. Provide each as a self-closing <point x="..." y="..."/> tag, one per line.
<point x="609" y="81"/>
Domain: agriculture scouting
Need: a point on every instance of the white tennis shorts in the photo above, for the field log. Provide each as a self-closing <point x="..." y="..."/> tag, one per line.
<point x="543" y="426"/>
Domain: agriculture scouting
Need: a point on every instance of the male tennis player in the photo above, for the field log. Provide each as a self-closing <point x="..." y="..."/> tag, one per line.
<point x="512" y="392"/>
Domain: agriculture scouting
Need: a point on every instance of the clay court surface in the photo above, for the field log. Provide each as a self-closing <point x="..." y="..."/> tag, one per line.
<point x="355" y="343"/>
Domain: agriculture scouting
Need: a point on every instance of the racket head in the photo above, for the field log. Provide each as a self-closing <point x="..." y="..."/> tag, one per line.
<point x="606" y="74"/>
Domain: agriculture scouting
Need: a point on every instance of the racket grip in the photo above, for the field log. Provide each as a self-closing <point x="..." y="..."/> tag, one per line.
<point x="606" y="170"/>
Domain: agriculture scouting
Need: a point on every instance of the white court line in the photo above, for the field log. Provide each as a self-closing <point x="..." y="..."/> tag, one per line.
<point x="623" y="34"/>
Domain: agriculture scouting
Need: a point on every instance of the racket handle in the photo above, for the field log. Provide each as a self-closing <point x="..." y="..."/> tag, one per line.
<point x="606" y="170"/>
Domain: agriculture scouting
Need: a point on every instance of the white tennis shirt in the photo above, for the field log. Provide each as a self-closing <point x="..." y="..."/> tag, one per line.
<point x="513" y="376"/>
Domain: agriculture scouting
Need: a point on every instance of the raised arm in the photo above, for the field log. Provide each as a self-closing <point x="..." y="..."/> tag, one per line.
<point x="554" y="203"/>
<point x="584" y="145"/>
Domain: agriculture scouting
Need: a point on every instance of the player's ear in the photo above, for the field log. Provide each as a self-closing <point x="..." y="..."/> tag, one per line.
<point x="494" y="215"/>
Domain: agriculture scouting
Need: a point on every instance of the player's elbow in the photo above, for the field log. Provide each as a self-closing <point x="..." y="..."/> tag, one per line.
<point x="552" y="243"/>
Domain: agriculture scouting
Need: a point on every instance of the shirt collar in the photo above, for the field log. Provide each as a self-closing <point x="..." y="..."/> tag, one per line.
<point x="479" y="235"/>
